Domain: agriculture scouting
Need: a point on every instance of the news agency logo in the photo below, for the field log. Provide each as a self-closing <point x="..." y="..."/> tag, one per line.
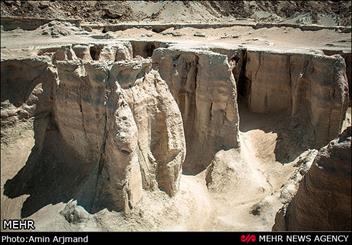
<point x="18" y="224"/>
<point x="248" y="238"/>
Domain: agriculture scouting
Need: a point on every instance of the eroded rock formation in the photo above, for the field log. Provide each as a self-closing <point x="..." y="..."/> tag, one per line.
<point x="25" y="90"/>
<point x="204" y="88"/>
<point x="107" y="148"/>
<point x="110" y="126"/>
<point x="323" y="199"/>
<point x="161" y="143"/>
<point x="313" y="89"/>
<point x="134" y="133"/>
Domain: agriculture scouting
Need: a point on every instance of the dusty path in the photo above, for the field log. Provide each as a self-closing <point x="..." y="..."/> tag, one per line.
<point x="249" y="203"/>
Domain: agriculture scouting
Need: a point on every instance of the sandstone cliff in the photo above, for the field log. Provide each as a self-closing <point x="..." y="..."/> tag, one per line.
<point x="323" y="199"/>
<point x="110" y="126"/>
<point x="112" y="129"/>
<point x="204" y="88"/>
<point x="313" y="89"/>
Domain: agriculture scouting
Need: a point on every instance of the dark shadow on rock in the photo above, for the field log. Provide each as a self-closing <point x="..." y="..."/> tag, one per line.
<point x="53" y="173"/>
<point x="293" y="138"/>
<point x="19" y="79"/>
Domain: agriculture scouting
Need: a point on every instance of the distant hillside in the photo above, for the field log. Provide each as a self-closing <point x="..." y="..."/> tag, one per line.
<point x="303" y="12"/>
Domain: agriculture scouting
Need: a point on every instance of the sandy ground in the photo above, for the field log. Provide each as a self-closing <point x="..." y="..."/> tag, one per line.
<point x="14" y="154"/>
<point x="273" y="38"/>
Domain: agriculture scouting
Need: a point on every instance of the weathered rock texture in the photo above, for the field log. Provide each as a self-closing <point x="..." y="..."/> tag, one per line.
<point x="204" y="88"/>
<point x="25" y="90"/>
<point x="104" y="128"/>
<point x="161" y="142"/>
<point x="108" y="126"/>
<point x="89" y="112"/>
<point x="348" y="60"/>
<point x="312" y="88"/>
<point x="103" y="151"/>
<point x="323" y="199"/>
<point x="89" y="52"/>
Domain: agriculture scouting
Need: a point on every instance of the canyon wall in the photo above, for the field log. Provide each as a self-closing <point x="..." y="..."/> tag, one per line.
<point x="313" y="89"/>
<point x="204" y="88"/>
<point x="110" y="129"/>
<point x="323" y="198"/>
<point x="109" y="126"/>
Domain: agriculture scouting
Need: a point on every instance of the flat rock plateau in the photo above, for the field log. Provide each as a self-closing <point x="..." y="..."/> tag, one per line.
<point x="176" y="116"/>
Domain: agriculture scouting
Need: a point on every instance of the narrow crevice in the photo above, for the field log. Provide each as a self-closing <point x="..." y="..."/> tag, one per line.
<point x="210" y="111"/>
<point x="188" y="113"/>
<point x="242" y="82"/>
<point x="95" y="52"/>
<point x="102" y="150"/>
<point x="291" y="83"/>
<point x="144" y="49"/>
<point x="81" y="101"/>
<point x="196" y="73"/>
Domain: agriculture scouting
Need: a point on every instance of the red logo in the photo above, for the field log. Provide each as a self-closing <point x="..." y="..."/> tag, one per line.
<point x="248" y="238"/>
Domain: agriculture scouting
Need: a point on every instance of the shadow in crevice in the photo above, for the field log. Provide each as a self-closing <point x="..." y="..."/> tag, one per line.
<point x="292" y="138"/>
<point x="145" y="48"/>
<point x="14" y="87"/>
<point x="52" y="174"/>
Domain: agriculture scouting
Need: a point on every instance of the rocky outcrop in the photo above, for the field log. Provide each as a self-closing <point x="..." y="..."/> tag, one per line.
<point x="96" y="123"/>
<point x="204" y="88"/>
<point x="111" y="129"/>
<point x="133" y="133"/>
<point x="161" y="142"/>
<point x="224" y="171"/>
<point x="74" y="213"/>
<point x="323" y="199"/>
<point x="313" y="89"/>
<point x="230" y="170"/>
<point x="26" y="89"/>
<point x="88" y="52"/>
<point x="114" y="52"/>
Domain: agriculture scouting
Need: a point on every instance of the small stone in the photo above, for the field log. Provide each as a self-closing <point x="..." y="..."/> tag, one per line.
<point x="199" y="34"/>
<point x="176" y="34"/>
<point x="74" y="213"/>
